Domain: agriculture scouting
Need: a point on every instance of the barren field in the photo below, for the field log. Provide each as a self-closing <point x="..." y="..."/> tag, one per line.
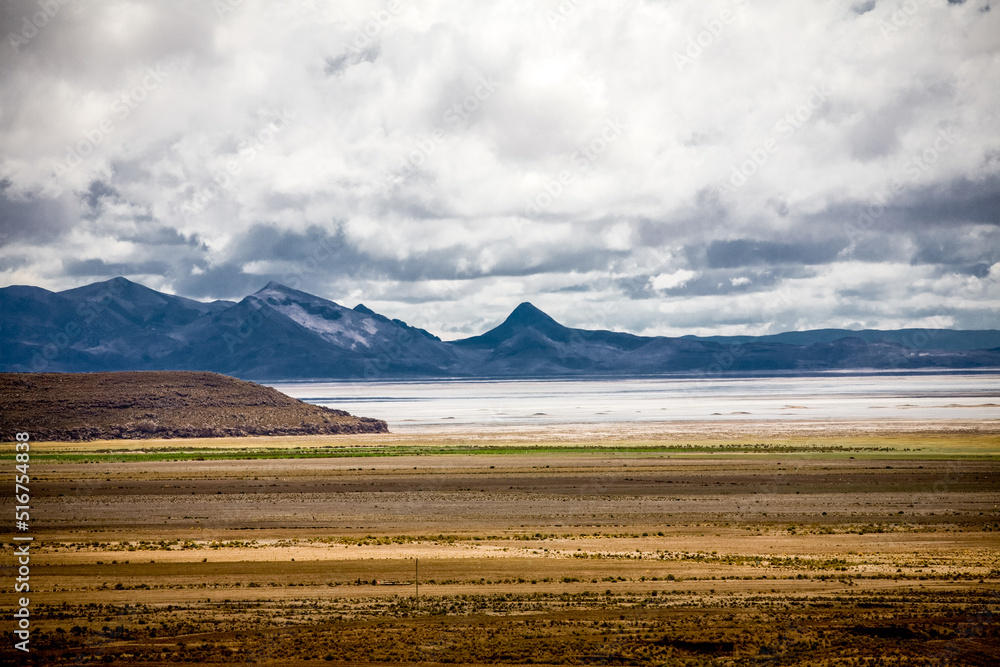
<point x="681" y="544"/>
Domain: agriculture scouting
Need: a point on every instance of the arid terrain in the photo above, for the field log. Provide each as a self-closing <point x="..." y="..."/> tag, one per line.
<point x="684" y="544"/>
<point x="159" y="404"/>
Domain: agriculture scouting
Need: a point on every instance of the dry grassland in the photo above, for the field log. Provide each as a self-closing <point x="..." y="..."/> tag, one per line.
<point x="682" y="544"/>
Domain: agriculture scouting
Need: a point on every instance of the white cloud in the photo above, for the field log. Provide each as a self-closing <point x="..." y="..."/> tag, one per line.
<point x="678" y="278"/>
<point x="430" y="136"/>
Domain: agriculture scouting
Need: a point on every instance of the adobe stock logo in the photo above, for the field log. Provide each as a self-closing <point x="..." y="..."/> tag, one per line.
<point x="458" y="111"/>
<point x="915" y="167"/>
<point x="247" y="149"/>
<point x="589" y="153"/>
<point x="461" y="110"/>
<point x="120" y="111"/>
<point x="900" y="18"/>
<point x="702" y="41"/>
<point x="562" y="13"/>
<point x="373" y="27"/>
<point x="785" y="128"/>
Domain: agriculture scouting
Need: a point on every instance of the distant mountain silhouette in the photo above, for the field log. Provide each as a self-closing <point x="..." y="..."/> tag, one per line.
<point x="937" y="339"/>
<point x="283" y="333"/>
<point x="524" y="317"/>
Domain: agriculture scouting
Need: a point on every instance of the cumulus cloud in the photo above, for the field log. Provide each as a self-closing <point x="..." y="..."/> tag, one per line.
<point x="667" y="281"/>
<point x="680" y="167"/>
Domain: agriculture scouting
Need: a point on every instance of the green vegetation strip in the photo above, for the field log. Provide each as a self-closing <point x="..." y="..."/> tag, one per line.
<point x="213" y="454"/>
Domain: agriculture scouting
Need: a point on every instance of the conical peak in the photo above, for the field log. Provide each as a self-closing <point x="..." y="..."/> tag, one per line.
<point x="527" y="314"/>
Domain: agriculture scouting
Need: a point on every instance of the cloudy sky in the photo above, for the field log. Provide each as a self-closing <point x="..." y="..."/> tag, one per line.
<point x="659" y="167"/>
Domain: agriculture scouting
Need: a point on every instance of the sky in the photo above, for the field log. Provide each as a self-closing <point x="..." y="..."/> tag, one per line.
<point x="660" y="167"/>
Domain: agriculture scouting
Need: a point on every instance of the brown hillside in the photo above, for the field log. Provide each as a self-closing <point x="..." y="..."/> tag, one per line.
<point x="159" y="404"/>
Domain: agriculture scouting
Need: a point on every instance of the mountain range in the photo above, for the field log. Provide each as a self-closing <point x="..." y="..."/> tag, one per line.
<point x="282" y="333"/>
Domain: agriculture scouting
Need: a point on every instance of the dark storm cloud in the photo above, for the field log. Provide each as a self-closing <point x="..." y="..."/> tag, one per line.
<point x="953" y="222"/>
<point x="162" y="235"/>
<point x="946" y="205"/>
<point x="33" y="219"/>
<point x="329" y="252"/>
<point x="980" y="270"/>
<point x="957" y="249"/>
<point x="751" y="252"/>
<point x="574" y="289"/>
<point x="959" y="201"/>
<point x="98" y="268"/>
<point x="226" y="281"/>
<point x="96" y="193"/>
<point x="705" y="211"/>
<point x="267" y="242"/>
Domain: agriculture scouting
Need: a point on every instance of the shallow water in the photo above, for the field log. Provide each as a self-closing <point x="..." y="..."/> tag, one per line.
<point x="832" y="397"/>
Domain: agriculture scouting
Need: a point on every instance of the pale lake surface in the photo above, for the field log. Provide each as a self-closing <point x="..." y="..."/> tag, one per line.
<point x="485" y="403"/>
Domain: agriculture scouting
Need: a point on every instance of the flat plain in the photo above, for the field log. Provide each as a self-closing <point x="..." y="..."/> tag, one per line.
<point x="684" y="543"/>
